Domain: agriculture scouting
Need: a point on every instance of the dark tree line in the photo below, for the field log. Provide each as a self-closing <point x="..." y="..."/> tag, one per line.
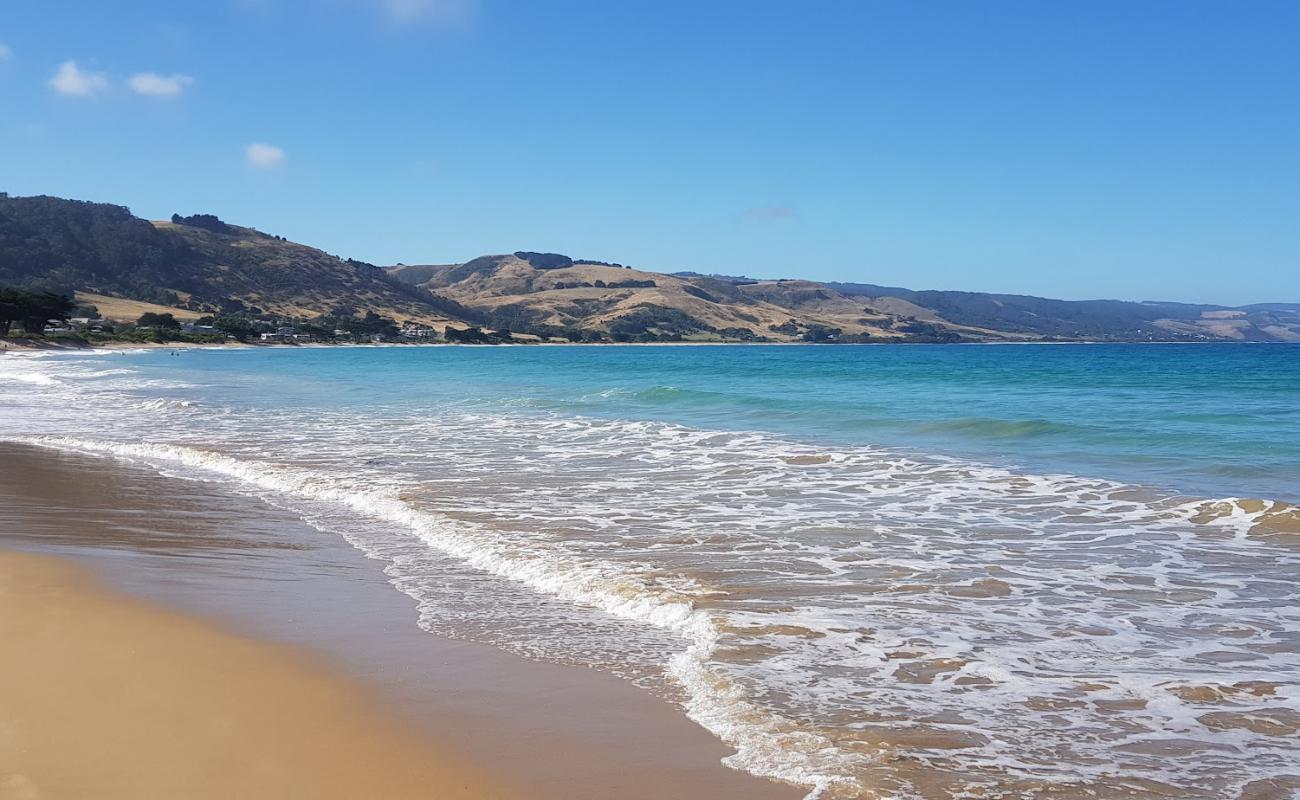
<point x="208" y="222"/>
<point x="47" y="243"/>
<point x="33" y="310"/>
<point x="544" y="260"/>
<point x="653" y="323"/>
<point x="151" y="320"/>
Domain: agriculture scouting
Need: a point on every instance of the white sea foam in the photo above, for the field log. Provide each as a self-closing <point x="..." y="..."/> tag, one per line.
<point x="28" y="368"/>
<point x="765" y="745"/>
<point x="163" y="402"/>
<point x="38" y="378"/>
<point x="808" y="602"/>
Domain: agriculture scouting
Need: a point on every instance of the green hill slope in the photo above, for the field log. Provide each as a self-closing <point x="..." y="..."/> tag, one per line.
<point x="197" y="263"/>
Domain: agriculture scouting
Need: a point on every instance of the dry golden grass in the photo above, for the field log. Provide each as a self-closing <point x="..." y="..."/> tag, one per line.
<point x="119" y="310"/>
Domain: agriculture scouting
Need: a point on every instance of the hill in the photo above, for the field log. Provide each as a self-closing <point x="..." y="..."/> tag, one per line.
<point x="1113" y="320"/>
<point x="196" y="263"/>
<point x="523" y="291"/>
<point x="202" y="265"/>
<point x="552" y="293"/>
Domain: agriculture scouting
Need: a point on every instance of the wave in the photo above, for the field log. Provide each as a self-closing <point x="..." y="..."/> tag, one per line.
<point x="987" y="428"/>
<point x="37" y="378"/>
<point x="766" y="744"/>
<point x="840" y="587"/>
<point x="667" y="395"/>
<point x="159" y="403"/>
<point x="661" y="395"/>
<point x="77" y="376"/>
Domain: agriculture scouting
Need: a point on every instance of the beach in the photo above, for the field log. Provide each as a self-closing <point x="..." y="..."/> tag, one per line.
<point x="108" y="697"/>
<point x="173" y="640"/>
<point x="765" y="572"/>
<point x="443" y="399"/>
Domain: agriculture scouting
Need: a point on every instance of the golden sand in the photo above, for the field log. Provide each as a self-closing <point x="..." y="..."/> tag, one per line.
<point x="105" y="697"/>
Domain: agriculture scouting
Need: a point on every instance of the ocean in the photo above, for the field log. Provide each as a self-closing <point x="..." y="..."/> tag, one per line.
<point x="875" y="571"/>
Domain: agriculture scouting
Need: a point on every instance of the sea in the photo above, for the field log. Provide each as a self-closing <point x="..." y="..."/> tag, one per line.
<point x="876" y="571"/>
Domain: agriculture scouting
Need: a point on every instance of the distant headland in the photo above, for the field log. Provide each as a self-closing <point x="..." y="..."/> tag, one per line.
<point x="88" y="272"/>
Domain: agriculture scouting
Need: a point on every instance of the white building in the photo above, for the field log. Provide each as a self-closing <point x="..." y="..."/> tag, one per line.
<point x="410" y="331"/>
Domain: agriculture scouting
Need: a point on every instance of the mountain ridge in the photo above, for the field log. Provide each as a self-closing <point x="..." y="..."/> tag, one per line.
<point x="202" y="264"/>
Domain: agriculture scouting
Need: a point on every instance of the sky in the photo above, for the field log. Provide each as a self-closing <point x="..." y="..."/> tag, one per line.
<point x="1076" y="149"/>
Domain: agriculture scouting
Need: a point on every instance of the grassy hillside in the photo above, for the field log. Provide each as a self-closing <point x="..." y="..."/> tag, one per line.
<point x="117" y="309"/>
<point x="201" y="265"/>
<point x="198" y="264"/>
<point x="528" y="291"/>
<point x="1097" y="319"/>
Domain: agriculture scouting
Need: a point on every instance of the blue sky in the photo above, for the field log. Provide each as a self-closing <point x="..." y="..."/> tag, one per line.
<point x="1139" y="150"/>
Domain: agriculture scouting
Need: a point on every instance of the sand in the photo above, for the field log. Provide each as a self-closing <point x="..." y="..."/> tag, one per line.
<point x="225" y="562"/>
<point x="108" y="697"/>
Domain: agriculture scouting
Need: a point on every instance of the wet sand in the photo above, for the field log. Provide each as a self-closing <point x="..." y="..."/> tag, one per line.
<point x="108" y="697"/>
<point x="239" y="569"/>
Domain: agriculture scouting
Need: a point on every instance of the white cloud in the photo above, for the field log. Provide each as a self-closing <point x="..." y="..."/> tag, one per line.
<point x="155" y="85"/>
<point x="5" y="52"/>
<point x="71" y="80"/>
<point x="263" y="156"/>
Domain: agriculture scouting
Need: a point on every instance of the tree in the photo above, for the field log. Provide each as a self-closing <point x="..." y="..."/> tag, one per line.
<point x="234" y="325"/>
<point x="467" y="336"/>
<point x="208" y="222"/>
<point x="821" y="333"/>
<point x="371" y="324"/>
<point x="159" y="321"/>
<point x="33" y="309"/>
<point x="12" y="307"/>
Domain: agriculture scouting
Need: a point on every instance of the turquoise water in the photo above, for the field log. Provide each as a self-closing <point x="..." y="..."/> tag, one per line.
<point x="1202" y="419"/>
<point x="876" y="571"/>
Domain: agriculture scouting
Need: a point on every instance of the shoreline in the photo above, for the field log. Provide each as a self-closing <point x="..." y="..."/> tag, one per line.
<point x="385" y="478"/>
<point x="26" y="346"/>
<point x="541" y="730"/>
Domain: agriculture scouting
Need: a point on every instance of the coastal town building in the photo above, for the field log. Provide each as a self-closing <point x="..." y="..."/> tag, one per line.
<point x="410" y="331"/>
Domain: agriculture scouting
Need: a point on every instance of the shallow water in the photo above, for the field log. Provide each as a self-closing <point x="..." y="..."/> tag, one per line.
<point x="1010" y="571"/>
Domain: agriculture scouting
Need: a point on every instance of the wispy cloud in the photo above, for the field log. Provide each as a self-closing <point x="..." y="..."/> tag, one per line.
<point x="394" y="13"/>
<point x="263" y="156"/>
<point x="443" y="13"/>
<point x="771" y="214"/>
<point x="5" y="52"/>
<point x="154" y="85"/>
<point x="73" y="81"/>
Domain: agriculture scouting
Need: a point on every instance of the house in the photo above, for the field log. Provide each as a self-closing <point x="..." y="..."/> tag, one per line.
<point x="84" y="324"/>
<point x="410" y="331"/>
<point x="205" y="330"/>
<point x="271" y="337"/>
